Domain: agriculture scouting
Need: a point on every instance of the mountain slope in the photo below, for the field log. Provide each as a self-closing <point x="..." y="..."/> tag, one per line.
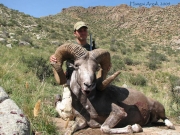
<point x="144" y="44"/>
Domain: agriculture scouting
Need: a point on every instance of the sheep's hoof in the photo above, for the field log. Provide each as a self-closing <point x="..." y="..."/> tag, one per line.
<point x="137" y="128"/>
<point x="68" y="132"/>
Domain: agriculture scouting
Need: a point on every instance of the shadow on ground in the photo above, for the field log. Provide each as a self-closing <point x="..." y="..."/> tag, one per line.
<point x="155" y="129"/>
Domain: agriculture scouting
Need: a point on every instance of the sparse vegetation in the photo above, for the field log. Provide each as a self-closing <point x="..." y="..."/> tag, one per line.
<point x="138" y="80"/>
<point x="146" y="53"/>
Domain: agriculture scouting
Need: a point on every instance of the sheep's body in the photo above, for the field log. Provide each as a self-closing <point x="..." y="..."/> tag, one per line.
<point x="112" y="107"/>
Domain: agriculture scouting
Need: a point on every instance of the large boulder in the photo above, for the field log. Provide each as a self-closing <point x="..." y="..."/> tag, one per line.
<point x="12" y="119"/>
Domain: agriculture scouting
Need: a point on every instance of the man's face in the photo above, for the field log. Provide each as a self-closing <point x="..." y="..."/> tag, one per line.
<point x="81" y="34"/>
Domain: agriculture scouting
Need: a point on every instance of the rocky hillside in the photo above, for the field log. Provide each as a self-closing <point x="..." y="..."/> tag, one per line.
<point x="155" y="25"/>
<point x="144" y="44"/>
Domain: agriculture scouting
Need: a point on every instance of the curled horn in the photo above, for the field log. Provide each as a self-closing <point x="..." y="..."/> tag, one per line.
<point x="62" y="53"/>
<point x="103" y="58"/>
<point x="108" y="80"/>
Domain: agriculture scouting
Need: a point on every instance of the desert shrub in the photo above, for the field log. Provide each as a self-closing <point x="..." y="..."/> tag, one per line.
<point x="136" y="62"/>
<point x="169" y="50"/>
<point x="123" y="51"/>
<point x="122" y="47"/>
<point x="12" y="23"/>
<point x="18" y="32"/>
<point x="155" y="59"/>
<point x="117" y="63"/>
<point x="177" y="61"/>
<point x="40" y="66"/>
<point x="128" y="61"/>
<point x="175" y="93"/>
<point x="174" y="80"/>
<point x="54" y="35"/>
<point x="137" y="48"/>
<point x="39" y="27"/>
<point x="3" y="22"/>
<point x="26" y="38"/>
<point x="2" y="72"/>
<point x="153" y="65"/>
<point x="155" y="56"/>
<point x="154" y="89"/>
<point x="138" y="80"/>
<point x="113" y="47"/>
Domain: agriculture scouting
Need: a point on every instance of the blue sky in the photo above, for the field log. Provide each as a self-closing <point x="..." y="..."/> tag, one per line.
<point x="39" y="8"/>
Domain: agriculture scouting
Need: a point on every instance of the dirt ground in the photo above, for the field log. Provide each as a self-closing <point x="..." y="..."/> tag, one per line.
<point x="150" y="130"/>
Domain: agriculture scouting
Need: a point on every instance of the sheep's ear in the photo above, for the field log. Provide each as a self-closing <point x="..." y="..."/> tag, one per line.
<point x="98" y="68"/>
<point x="99" y="73"/>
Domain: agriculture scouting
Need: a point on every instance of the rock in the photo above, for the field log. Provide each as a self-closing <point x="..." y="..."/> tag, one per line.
<point x="2" y="39"/>
<point x="9" y="45"/>
<point x="177" y="41"/>
<point x="176" y="90"/>
<point x="55" y="42"/>
<point x="12" y="34"/>
<point x="12" y="119"/>
<point x="38" y="36"/>
<point x="24" y="43"/>
<point x="125" y="86"/>
<point x="3" y="95"/>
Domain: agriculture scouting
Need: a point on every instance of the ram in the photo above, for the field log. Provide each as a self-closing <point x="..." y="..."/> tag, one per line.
<point x="96" y="103"/>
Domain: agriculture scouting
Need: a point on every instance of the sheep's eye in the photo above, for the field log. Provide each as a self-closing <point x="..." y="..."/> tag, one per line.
<point x="98" y="68"/>
<point x="76" y="65"/>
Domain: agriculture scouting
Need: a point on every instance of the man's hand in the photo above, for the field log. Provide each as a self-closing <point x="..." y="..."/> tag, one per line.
<point x="53" y="59"/>
<point x="109" y="67"/>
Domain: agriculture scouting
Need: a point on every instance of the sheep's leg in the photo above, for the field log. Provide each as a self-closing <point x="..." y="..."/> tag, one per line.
<point x="93" y="124"/>
<point x="79" y="123"/>
<point x="161" y="114"/>
<point x="169" y="124"/>
<point x="158" y="112"/>
<point x="115" y="116"/>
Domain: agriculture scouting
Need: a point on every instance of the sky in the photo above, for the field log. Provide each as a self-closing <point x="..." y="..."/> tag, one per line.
<point x="40" y="8"/>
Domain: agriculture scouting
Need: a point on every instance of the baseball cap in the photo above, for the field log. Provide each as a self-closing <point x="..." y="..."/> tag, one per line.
<point x="79" y="24"/>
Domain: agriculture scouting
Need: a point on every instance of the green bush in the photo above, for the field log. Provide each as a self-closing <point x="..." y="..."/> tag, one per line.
<point x="155" y="59"/>
<point x="3" y="22"/>
<point x="169" y="50"/>
<point x="117" y="63"/>
<point x="137" y="48"/>
<point x="175" y="91"/>
<point x="138" y="80"/>
<point x="153" y="65"/>
<point x="123" y="48"/>
<point x="128" y="61"/>
<point x="123" y="51"/>
<point x="155" y="56"/>
<point x="26" y="38"/>
<point x="113" y="47"/>
<point x="154" y="89"/>
<point x="40" y="66"/>
<point x="177" y="61"/>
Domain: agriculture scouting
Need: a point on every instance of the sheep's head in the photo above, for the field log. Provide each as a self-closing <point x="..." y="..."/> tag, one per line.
<point x="85" y="74"/>
<point x="92" y="59"/>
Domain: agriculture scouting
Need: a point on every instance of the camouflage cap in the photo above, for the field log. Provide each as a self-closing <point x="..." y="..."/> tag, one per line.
<point x="79" y="24"/>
